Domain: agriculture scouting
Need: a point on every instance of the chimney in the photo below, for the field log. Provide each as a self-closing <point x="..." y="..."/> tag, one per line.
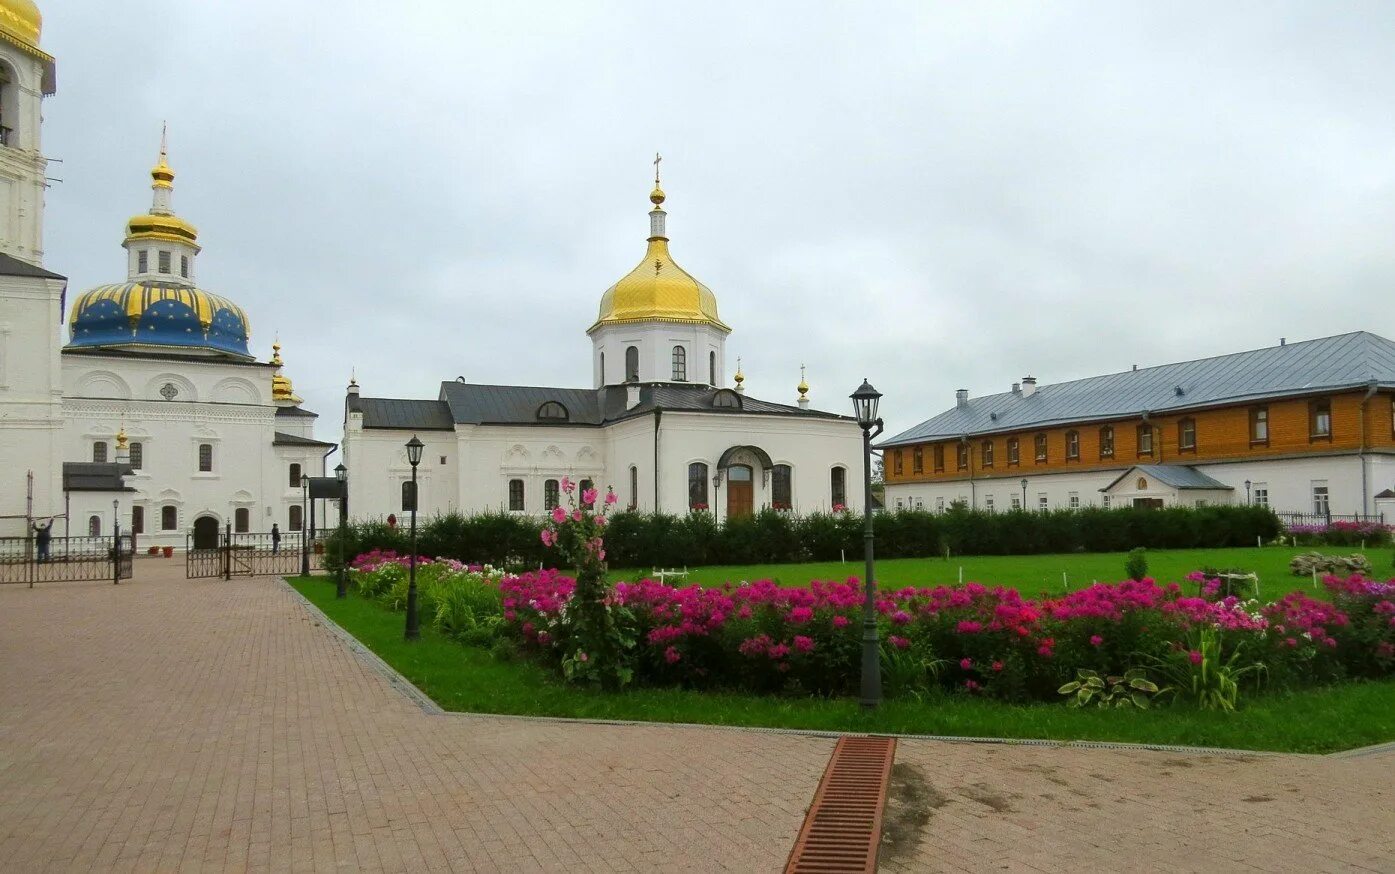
<point x="803" y="403"/>
<point x="1017" y="388"/>
<point x="632" y="396"/>
<point x="961" y="398"/>
<point x="1029" y="386"/>
<point x="1283" y="341"/>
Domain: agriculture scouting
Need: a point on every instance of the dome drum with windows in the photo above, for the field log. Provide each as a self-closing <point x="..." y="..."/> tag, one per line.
<point x="159" y="305"/>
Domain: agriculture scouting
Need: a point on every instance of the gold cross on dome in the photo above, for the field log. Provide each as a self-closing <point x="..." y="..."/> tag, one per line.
<point x="657" y="159"/>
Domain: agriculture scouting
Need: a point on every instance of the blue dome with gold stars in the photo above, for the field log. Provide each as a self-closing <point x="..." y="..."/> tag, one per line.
<point x="158" y="314"/>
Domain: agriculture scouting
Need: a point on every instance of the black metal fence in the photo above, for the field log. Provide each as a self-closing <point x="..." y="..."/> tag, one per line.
<point x="1291" y="519"/>
<point x="245" y="555"/>
<point x="65" y="559"/>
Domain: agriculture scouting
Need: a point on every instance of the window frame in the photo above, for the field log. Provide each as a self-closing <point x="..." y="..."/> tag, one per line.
<point x="712" y="368"/>
<point x="680" y="363"/>
<point x="699" y="498"/>
<point x="1186" y="434"/>
<point x="295" y="518"/>
<point x="205" y="458"/>
<point x="136" y="452"/>
<point x="634" y="487"/>
<point x="1317" y="409"/>
<point x="1323" y="507"/>
<point x="1106" y="442"/>
<point x="137" y="519"/>
<point x="169" y="517"/>
<point x="1144" y="434"/>
<point x="918" y="460"/>
<point x="94" y="525"/>
<point x="1014" y="451"/>
<point x="961" y="455"/>
<point x="100" y="452"/>
<point x="838" y="485"/>
<point x="184" y="266"/>
<point x="1072" y="445"/>
<point x="143" y="261"/>
<point x="1041" y="448"/>
<point x="518" y="496"/>
<point x="552" y="494"/>
<point x="1259" y="415"/>
<point x="164" y="260"/>
<point x="939" y="457"/>
<point x="985" y="454"/>
<point x="242" y="520"/>
<point x="294" y="474"/>
<point x="548" y="412"/>
<point x="897" y="466"/>
<point x="631" y="364"/>
<point x="782" y="487"/>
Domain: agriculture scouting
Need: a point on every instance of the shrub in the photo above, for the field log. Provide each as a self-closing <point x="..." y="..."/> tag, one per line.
<point x="1136" y="566"/>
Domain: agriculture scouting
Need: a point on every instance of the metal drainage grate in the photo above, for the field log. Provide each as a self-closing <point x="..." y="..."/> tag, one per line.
<point x="844" y="825"/>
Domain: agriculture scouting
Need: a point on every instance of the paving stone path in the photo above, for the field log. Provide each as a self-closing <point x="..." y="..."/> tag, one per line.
<point x="171" y="725"/>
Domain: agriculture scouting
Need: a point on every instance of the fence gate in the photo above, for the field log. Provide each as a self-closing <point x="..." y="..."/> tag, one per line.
<point x="243" y="555"/>
<point x="66" y="559"/>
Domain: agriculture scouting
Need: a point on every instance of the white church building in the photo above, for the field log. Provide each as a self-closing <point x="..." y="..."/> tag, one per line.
<point x="155" y="412"/>
<point x="658" y="423"/>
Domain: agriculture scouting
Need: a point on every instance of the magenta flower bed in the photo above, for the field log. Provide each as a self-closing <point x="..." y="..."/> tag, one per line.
<point x="1342" y="533"/>
<point x="971" y="638"/>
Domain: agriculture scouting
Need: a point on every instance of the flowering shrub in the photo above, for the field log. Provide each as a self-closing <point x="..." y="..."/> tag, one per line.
<point x="1340" y="533"/>
<point x="461" y="600"/>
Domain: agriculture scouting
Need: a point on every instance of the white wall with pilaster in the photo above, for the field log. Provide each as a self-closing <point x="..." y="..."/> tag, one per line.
<point x="655" y="342"/>
<point x="31" y="398"/>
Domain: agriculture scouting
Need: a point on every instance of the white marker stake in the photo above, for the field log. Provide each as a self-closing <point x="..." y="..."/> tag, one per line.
<point x="961" y="575"/>
<point x="843" y="555"/>
<point x="1065" y="586"/>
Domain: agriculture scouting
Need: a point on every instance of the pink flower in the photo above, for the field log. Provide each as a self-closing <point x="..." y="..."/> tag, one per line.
<point x="1096" y="640"/>
<point x="1329" y="642"/>
<point x="997" y="666"/>
<point x="576" y="515"/>
<point x="672" y="655"/>
<point x="544" y="637"/>
<point x="803" y="644"/>
<point x="599" y="519"/>
<point x="567" y="485"/>
<point x="898" y="642"/>
<point x="840" y="621"/>
<point x="1044" y="651"/>
<point x="610" y="498"/>
<point x="559" y="515"/>
<point x="547" y="536"/>
<point x="966" y="664"/>
<point x="588" y="496"/>
<point x="900" y="617"/>
<point x="779" y="651"/>
<point x="968" y="626"/>
<point x="800" y="615"/>
<point x="1195" y="657"/>
<point x="971" y="685"/>
<point x="582" y="657"/>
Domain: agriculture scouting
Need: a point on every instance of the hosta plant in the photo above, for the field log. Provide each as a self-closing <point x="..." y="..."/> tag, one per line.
<point x="1130" y="689"/>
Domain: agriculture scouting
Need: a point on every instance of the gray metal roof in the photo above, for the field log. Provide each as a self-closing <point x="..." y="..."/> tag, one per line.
<point x="1345" y="361"/>
<point x="284" y="439"/>
<point x="95" y="476"/>
<point x="12" y="266"/>
<point x="403" y="414"/>
<point x="1179" y="476"/>
<point x="296" y="411"/>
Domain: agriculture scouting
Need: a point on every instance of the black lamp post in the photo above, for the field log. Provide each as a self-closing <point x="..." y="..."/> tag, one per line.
<point x="865" y="406"/>
<point x="341" y="473"/>
<point x="1024" y="494"/>
<point x="304" y="542"/>
<point x="1247" y="492"/>
<point x="115" y="542"/>
<point x="414" y="448"/>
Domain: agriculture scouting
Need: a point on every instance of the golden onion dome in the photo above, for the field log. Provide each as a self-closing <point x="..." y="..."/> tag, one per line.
<point x="658" y="290"/>
<point x="281" y="388"/>
<point x="21" y="19"/>
<point x="153" y="226"/>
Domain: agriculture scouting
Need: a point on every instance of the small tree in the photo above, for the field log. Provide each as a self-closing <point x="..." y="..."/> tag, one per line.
<point x="1136" y="567"/>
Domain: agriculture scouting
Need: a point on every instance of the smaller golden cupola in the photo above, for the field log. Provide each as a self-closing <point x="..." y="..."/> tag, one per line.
<point x="282" y="392"/>
<point x="740" y="377"/>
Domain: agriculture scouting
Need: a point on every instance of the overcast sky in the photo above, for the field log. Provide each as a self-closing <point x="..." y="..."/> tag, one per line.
<point x="932" y="196"/>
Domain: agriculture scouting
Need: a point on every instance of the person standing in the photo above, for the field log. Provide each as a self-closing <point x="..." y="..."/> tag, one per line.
<point x="275" y="538"/>
<point x="43" y="534"/>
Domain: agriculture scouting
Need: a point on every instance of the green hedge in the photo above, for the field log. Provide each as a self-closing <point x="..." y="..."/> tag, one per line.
<point x="643" y="540"/>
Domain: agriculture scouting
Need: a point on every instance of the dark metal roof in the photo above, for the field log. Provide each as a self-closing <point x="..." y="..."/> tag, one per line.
<point x="403" y="414"/>
<point x="11" y="266"/>
<point x="296" y="411"/>
<point x="1346" y="361"/>
<point x="95" y="476"/>
<point x="159" y="354"/>
<point x="1179" y="476"/>
<point x="284" y="439"/>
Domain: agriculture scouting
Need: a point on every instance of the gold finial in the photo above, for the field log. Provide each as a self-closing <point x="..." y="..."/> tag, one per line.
<point x="162" y="174"/>
<point x="121" y="437"/>
<point x="803" y="384"/>
<point x="353" y="376"/>
<point x="657" y="195"/>
<point x="276" y="351"/>
<point x="740" y="377"/>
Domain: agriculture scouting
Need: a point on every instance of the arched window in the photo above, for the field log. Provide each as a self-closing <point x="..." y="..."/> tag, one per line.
<point x="634" y="487"/>
<point x="1014" y="450"/>
<point x="602" y="365"/>
<point x="726" y="398"/>
<point x="697" y="486"/>
<point x="986" y="453"/>
<point x="516" y="495"/>
<point x="94" y="526"/>
<point x="781" y="490"/>
<point x="1186" y="435"/>
<point x="205" y="457"/>
<point x="409" y="495"/>
<point x="295" y="521"/>
<point x="632" y="364"/>
<point x="8" y="115"/>
<point x="1072" y="446"/>
<point x="99" y="451"/>
<point x="169" y="518"/>
<point x="1107" y="442"/>
<point x="552" y="410"/>
<point x="680" y="364"/>
<point x="711" y="368"/>
<point x="552" y="494"/>
<point x="838" y="482"/>
<point x="137" y="520"/>
<point x="295" y="476"/>
<point x="1041" y="448"/>
<point x="242" y="520"/>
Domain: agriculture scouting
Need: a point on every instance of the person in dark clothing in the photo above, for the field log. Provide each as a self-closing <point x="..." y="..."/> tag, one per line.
<point x="275" y="538"/>
<point x="42" y="535"/>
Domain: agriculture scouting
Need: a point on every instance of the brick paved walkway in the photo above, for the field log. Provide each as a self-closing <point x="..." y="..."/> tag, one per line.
<point x="169" y="724"/>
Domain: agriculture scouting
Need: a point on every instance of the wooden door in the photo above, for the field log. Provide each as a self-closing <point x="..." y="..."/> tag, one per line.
<point x="740" y="495"/>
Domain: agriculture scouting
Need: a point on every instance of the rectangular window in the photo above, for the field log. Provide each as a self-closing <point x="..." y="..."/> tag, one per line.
<point x="1016" y="502"/>
<point x="1186" y="435"/>
<point x="939" y="505"/>
<point x="205" y="457"/>
<point x="242" y="520"/>
<point x="137" y="456"/>
<point x="164" y="262"/>
<point x="962" y="456"/>
<point x="838" y="483"/>
<point x="516" y="495"/>
<point x="1106" y="442"/>
<point x="184" y="266"/>
<point x="1145" y="439"/>
<point x="1041" y="502"/>
<point x="142" y="261"/>
<point x="918" y="460"/>
<point x="294" y="520"/>
<point x="293" y="476"/>
<point x="1105" y="501"/>
<point x="137" y="520"/>
<point x="900" y="504"/>
<point x="939" y="458"/>
<point x="169" y="518"/>
<point x="634" y="487"/>
<point x="1074" y="500"/>
<point x="1321" y="505"/>
<point x="986" y="453"/>
<point x="1014" y="451"/>
<point x="988" y="503"/>
<point x="896" y="462"/>
<point x="1261" y="495"/>
<point x="1259" y="426"/>
<point x="99" y="452"/>
<point x="1072" y="446"/>
<point x="1320" y="420"/>
<point x="552" y="494"/>
<point x="919" y="504"/>
<point x="1041" y="448"/>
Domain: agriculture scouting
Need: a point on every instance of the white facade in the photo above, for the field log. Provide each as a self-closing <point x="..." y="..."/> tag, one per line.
<point x="1285" y="485"/>
<point x="703" y="359"/>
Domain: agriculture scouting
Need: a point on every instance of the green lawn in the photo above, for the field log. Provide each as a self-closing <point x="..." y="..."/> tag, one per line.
<point x="1033" y="574"/>
<point x="470" y="679"/>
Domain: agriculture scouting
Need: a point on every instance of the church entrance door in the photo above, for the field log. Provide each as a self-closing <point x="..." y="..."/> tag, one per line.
<point x="205" y="533"/>
<point x="739" y="491"/>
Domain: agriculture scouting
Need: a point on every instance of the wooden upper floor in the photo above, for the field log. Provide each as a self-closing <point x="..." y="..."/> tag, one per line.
<point x="1292" y="426"/>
